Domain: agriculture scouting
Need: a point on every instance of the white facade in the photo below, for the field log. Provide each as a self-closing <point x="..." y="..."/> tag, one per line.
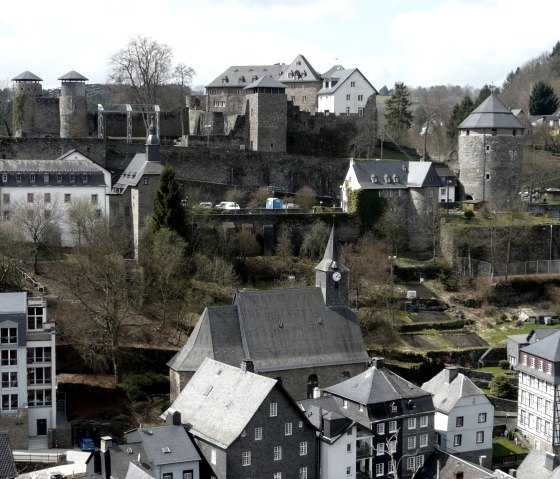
<point x="345" y="93"/>
<point x="28" y="359"/>
<point x="53" y="184"/>
<point x="339" y="457"/>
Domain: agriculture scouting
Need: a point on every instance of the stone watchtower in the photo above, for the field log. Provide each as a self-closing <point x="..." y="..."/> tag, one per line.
<point x="491" y="154"/>
<point x="73" y="106"/>
<point x="26" y="90"/>
<point x="267" y="114"/>
<point x="332" y="276"/>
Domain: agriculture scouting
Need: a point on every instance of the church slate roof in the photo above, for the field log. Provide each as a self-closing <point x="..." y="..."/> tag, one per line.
<point x="491" y="113"/>
<point x="446" y="395"/>
<point x="219" y="401"/>
<point x="277" y="329"/>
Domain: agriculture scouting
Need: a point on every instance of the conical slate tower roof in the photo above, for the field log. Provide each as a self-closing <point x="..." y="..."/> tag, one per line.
<point x="265" y="82"/>
<point x="27" y="76"/>
<point x="331" y="258"/>
<point x="491" y="113"/>
<point x="73" y="76"/>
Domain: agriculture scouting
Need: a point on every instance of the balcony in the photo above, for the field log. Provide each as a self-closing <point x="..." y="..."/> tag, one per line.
<point x="364" y="450"/>
<point x="363" y="475"/>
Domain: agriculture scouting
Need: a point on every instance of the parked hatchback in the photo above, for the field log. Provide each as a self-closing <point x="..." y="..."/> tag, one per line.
<point x="227" y="205"/>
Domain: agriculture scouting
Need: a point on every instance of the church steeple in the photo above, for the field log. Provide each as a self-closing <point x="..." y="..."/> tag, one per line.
<point x="152" y="143"/>
<point x="331" y="275"/>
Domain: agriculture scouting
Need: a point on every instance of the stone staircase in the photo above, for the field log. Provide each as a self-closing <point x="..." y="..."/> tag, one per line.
<point x="37" y="443"/>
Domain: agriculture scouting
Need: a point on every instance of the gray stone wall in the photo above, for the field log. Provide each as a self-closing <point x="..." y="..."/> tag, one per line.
<point x="15" y="425"/>
<point x="73" y="110"/>
<point x="304" y="95"/>
<point x="268" y="117"/>
<point x="491" y="167"/>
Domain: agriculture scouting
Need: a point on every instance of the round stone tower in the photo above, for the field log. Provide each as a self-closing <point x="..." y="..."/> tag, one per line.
<point x="491" y="154"/>
<point x="73" y="106"/>
<point x="26" y="90"/>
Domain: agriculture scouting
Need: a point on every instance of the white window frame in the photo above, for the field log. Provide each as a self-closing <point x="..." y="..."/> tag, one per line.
<point x="380" y="449"/>
<point x="277" y="455"/>
<point x="303" y="448"/>
<point x="392" y="426"/>
<point x="423" y="440"/>
<point x="410" y="463"/>
<point x="258" y="434"/>
<point x="411" y="442"/>
<point x="273" y="409"/>
<point x="424" y="421"/>
<point x="303" y="472"/>
<point x="379" y="469"/>
<point x="411" y="423"/>
<point x="288" y="429"/>
<point x="246" y="458"/>
<point x="380" y="428"/>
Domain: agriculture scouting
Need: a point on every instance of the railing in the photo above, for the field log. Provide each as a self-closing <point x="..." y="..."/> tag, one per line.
<point x="364" y="450"/>
<point x="39" y="457"/>
<point x="508" y="461"/>
<point x="363" y="475"/>
<point x="474" y="268"/>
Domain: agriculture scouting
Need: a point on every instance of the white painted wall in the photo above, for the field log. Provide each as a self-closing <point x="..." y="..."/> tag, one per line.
<point x="335" y="459"/>
<point x="177" y="470"/>
<point x="337" y="101"/>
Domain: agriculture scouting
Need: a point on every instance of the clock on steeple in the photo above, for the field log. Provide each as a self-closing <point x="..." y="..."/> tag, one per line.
<point x="331" y="275"/>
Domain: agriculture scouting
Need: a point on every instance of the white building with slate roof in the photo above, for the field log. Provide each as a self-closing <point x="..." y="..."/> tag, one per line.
<point x="539" y="393"/>
<point x="345" y="92"/>
<point x="40" y="185"/>
<point x="303" y="336"/>
<point x="464" y="416"/>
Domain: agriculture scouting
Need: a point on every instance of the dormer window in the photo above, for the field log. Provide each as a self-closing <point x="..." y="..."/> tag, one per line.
<point x="393" y="407"/>
<point x="225" y="79"/>
<point x="18" y="177"/>
<point x="396" y="178"/>
<point x="32" y="177"/>
<point x="254" y="78"/>
<point x="374" y="179"/>
<point x="387" y="178"/>
<point x="241" y="79"/>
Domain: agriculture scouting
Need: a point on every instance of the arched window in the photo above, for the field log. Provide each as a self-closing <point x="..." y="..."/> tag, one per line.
<point x="312" y="383"/>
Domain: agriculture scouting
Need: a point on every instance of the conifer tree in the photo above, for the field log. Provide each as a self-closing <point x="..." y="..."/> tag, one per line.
<point x="168" y="210"/>
<point x="458" y="114"/>
<point x="398" y="115"/>
<point x="543" y="99"/>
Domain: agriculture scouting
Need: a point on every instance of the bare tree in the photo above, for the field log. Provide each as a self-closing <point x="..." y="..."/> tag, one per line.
<point x="82" y="216"/>
<point x="430" y="227"/>
<point x="184" y="75"/>
<point x="39" y="217"/>
<point x="392" y="225"/>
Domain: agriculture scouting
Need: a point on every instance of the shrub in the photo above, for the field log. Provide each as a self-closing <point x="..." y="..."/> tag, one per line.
<point x="140" y="386"/>
<point x="469" y="214"/>
<point x="504" y="364"/>
<point x="503" y="387"/>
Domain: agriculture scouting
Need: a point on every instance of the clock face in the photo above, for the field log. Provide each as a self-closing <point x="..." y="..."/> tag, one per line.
<point x="336" y="276"/>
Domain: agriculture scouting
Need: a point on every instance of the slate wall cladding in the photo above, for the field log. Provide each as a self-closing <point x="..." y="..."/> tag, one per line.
<point x="491" y="167"/>
<point x="219" y="469"/>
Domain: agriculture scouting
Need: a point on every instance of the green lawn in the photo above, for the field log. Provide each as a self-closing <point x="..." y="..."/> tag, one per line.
<point x="497" y="335"/>
<point x="502" y="446"/>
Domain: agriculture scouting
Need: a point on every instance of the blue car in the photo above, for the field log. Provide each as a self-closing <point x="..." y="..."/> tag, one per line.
<point x="87" y="444"/>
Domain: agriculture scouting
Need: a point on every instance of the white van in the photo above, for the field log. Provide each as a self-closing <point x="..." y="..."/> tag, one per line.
<point x="227" y="205"/>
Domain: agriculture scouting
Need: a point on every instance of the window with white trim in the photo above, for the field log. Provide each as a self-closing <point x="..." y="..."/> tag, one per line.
<point x="411" y="442"/>
<point x="379" y="449"/>
<point x="381" y="428"/>
<point x="9" y="379"/>
<point x="258" y="434"/>
<point x="277" y="475"/>
<point x="411" y="423"/>
<point x="524" y="359"/>
<point x="419" y="461"/>
<point x="246" y="458"/>
<point x="188" y="474"/>
<point x="480" y="437"/>
<point x="390" y="467"/>
<point x="423" y="440"/>
<point x="392" y="446"/>
<point x="532" y="361"/>
<point x="8" y="357"/>
<point x="35" y="317"/>
<point x="167" y="475"/>
<point x="392" y="426"/>
<point x="277" y="453"/>
<point x="9" y="402"/>
<point x="548" y="368"/>
<point x="303" y="473"/>
<point x="379" y="469"/>
<point x="410" y="463"/>
<point x="213" y="456"/>
<point x="288" y="429"/>
<point x="424" y="421"/>
<point x="8" y="336"/>
<point x="303" y="448"/>
<point x="273" y="409"/>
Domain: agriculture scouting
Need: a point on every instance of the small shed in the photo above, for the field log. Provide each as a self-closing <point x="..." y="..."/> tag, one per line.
<point x="540" y="316"/>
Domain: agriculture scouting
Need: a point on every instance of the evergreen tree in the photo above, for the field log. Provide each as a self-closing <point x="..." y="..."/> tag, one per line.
<point x="168" y="210"/>
<point x="398" y="116"/>
<point x="554" y="58"/>
<point x="458" y="114"/>
<point x="543" y="100"/>
<point x="384" y="91"/>
<point x="484" y="93"/>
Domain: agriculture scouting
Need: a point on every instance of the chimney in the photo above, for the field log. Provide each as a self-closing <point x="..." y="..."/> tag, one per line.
<point x="247" y="366"/>
<point x="377" y="363"/>
<point x="550" y="461"/>
<point x="481" y="460"/>
<point x="176" y="418"/>
<point x="106" y="443"/>
<point x="316" y="392"/>
<point x="450" y="373"/>
<point x="513" y="472"/>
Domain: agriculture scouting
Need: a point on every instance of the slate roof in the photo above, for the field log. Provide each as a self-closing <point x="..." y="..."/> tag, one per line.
<point x="157" y="440"/>
<point x="239" y="76"/>
<point x="220" y="400"/>
<point x="326" y="408"/>
<point x="13" y="303"/>
<point x="300" y="71"/>
<point x="441" y="464"/>
<point x="342" y="76"/>
<point x="332" y="70"/>
<point x="446" y="395"/>
<point x="73" y="76"/>
<point x="135" y="472"/>
<point x="533" y="466"/>
<point x="133" y="173"/>
<point x="7" y="464"/>
<point x="546" y="348"/>
<point x="27" y="76"/>
<point x="411" y="174"/>
<point x="375" y="385"/>
<point x="331" y="257"/>
<point x="491" y="113"/>
<point x="265" y="82"/>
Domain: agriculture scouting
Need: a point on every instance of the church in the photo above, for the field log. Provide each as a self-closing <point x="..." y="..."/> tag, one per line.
<point x="303" y="337"/>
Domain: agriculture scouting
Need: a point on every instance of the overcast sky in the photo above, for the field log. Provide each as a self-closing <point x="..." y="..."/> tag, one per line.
<point x="419" y="42"/>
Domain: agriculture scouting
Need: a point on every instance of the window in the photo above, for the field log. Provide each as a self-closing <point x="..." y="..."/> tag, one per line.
<point x="379" y="470"/>
<point x="348" y="97"/>
<point x="246" y="458"/>
<point x="482" y="417"/>
<point x="167" y="475"/>
<point x="360" y="97"/>
<point x="303" y="473"/>
<point x="8" y="357"/>
<point x="347" y="111"/>
<point x="524" y="359"/>
<point x="392" y="426"/>
<point x="18" y="177"/>
<point x="258" y="434"/>
<point x="39" y="397"/>
<point x="352" y="83"/>
<point x="288" y="429"/>
<point x="411" y="423"/>
<point x="379" y="449"/>
<point x="345" y="404"/>
<point x="84" y="178"/>
<point x="4" y="177"/>
<point x="188" y="474"/>
<point x="32" y="178"/>
<point x="277" y="475"/>
<point x="348" y="447"/>
<point x="411" y="442"/>
<point x="480" y="437"/>
<point x="6" y="198"/>
<point x="300" y="424"/>
<point x="35" y="318"/>
<point x="6" y="215"/>
<point x="393" y="405"/>
<point x="273" y="409"/>
<point x="457" y="439"/>
<point x="46" y="178"/>
<point x="419" y="461"/>
<point x="213" y="456"/>
<point x="360" y="112"/>
<point x="72" y="180"/>
<point x="540" y="364"/>
<point x="9" y="379"/>
<point x="423" y="440"/>
<point x="410" y="462"/>
<point x="390" y="467"/>
<point x="392" y="446"/>
<point x="303" y="448"/>
<point x="145" y="181"/>
<point x="9" y="402"/>
<point x="349" y="470"/>
<point x="67" y="197"/>
<point x="93" y="199"/>
<point x="8" y="335"/>
<point x="30" y="197"/>
<point x="424" y="421"/>
<point x="59" y="177"/>
<point x="381" y="428"/>
<point x="47" y="197"/>
<point x="459" y="421"/>
<point x="277" y="453"/>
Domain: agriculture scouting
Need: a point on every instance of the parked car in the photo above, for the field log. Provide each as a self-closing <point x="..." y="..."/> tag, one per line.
<point x="204" y="204"/>
<point x="57" y="475"/>
<point x="227" y="205"/>
<point x="87" y="444"/>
